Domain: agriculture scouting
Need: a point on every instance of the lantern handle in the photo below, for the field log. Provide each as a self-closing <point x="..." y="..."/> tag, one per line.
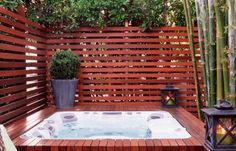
<point x="224" y="105"/>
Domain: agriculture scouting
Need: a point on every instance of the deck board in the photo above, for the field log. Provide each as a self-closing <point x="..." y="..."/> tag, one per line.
<point x="190" y="122"/>
<point x="118" y="145"/>
<point x="126" y="145"/>
<point x="102" y="145"/>
<point x="79" y="145"/>
<point x="111" y="145"/>
<point x="150" y="145"/>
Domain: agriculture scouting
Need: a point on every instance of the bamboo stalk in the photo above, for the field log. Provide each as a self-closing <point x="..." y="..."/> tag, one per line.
<point x="234" y="27"/>
<point x="193" y="55"/>
<point x="200" y="36"/>
<point x="204" y="17"/>
<point x="212" y="53"/>
<point x="232" y="48"/>
<point x="221" y="54"/>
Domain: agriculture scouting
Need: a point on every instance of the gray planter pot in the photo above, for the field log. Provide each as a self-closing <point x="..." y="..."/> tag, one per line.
<point x="64" y="93"/>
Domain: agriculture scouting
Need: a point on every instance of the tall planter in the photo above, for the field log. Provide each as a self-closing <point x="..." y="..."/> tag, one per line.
<point x="64" y="92"/>
<point x="63" y="69"/>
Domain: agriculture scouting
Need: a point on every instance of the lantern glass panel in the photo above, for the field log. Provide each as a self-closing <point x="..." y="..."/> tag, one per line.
<point x="209" y="128"/>
<point x="225" y="131"/>
<point x="220" y="127"/>
<point x="169" y="97"/>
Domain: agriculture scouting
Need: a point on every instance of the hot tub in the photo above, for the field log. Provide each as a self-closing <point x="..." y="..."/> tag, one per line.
<point x="109" y="125"/>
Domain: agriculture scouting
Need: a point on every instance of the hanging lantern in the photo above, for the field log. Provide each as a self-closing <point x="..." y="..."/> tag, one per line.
<point x="220" y="127"/>
<point x="169" y="96"/>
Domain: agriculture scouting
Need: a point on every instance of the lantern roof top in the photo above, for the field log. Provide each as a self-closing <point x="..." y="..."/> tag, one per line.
<point x="218" y="112"/>
<point x="169" y="87"/>
<point x="224" y="108"/>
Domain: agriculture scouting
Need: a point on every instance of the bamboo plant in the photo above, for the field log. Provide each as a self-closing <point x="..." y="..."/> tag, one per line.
<point x="222" y="70"/>
<point x="204" y="18"/>
<point x="201" y="45"/>
<point x="232" y="48"/>
<point x="193" y="54"/>
<point x="212" y="53"/>
<point x="218" y="50"/>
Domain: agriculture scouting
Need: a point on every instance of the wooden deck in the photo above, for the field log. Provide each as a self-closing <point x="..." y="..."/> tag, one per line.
<point x="193" y="125"/>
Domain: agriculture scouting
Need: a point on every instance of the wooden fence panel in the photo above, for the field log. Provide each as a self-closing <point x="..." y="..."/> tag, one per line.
<point x="118" y="64"/>
<point x="125" y="64"/>
<point x="22" y="66"/>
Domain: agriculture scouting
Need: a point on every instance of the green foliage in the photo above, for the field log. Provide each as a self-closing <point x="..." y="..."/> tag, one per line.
<point x="176" y="12"/>
<point x="71" y="14"/>
<point x="91" y="12"/>
<point x="54" y="13"/>
<point x="135" y="13"/>
<point x="11" y="4"/>
<point x="153" y="13"/>
<point x="64" y="65"/>
<point x="117" y="12"/>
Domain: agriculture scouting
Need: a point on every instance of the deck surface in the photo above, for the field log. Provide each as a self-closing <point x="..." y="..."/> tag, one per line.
<point x="193" y="125"/>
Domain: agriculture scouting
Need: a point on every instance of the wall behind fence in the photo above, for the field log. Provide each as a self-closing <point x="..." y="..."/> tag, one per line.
<point x="124" y="64"/>
<point x="22" y="66"/>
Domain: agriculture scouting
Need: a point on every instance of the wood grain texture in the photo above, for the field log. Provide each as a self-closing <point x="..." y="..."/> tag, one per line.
<point x="122" y="68"/>
<point x="125" y="64"/>
<point x="118" y="64"/>
<point x="23" y="67"/>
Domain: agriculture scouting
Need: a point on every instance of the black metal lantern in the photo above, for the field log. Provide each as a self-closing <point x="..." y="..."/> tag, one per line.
<point x="220" y="126"/>
<point x="169" y="96"/>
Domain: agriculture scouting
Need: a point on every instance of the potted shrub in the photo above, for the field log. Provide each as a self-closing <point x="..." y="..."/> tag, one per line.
<point x="63" y="69"/>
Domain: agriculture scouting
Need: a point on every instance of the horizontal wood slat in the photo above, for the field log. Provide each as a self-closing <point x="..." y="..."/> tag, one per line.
<point x="133" y="81"/>
<point x="20" y="41"/>
<point x="118" y="40"/>
<point x="21" y="87"/>
<point x="119" y="46"/>
<point x="138" y="75"/>
<point x="5" y="64"/>
<point x="20" y="33"/>
<point x="21" y="72"/>
<point x="23" y="66"/>
<point x="140" y="63"/>
<point x="21" y="57"/>
<point x="22" y="102"/>
<point x="21" y="80"/>
<point x="126" y="34"/>
<point x="18" y="49"/>
<point x="21" y="26"/>
<point x="125" y="64"/>
<point x="135" y="69"/>
<point x="132" y="28"/>
<point x="20" y="18"/>
<point x="129" y="52"/>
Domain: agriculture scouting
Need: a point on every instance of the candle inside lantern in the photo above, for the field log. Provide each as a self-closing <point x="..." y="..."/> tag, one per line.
<point x="169" y="101"/>
<point x="220" y="132"/>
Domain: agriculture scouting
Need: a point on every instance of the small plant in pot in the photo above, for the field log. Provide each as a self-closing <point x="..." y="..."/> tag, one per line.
<point x="63" y="69"/>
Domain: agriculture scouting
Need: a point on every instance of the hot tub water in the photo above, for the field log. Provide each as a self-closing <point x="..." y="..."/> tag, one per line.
<point x="109" y="125"/>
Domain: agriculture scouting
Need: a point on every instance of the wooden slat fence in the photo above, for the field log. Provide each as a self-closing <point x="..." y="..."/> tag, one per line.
<point x="22" y="66"/>
<point x="118" y="64"/>
<point x="124" y="64"/>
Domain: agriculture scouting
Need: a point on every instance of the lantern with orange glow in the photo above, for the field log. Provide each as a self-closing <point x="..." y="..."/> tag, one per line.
<point x="169" y="96"/>
<point x="220" y="126"/>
